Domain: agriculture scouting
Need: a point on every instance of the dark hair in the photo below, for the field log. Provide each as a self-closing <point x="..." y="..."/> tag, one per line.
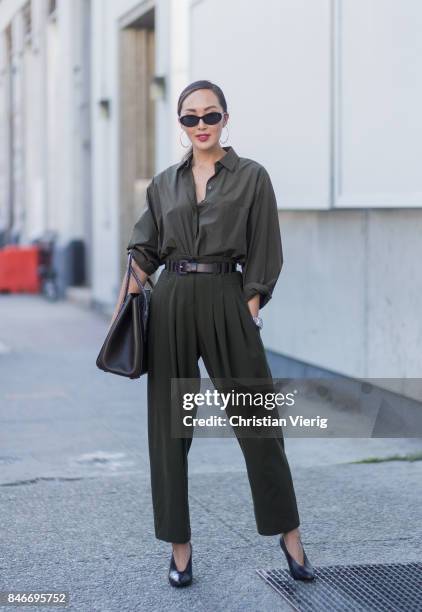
<point x="193" y="87"/>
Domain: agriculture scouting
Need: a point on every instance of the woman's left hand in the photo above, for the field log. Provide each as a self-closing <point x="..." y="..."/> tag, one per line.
<point x="253" y="305"/>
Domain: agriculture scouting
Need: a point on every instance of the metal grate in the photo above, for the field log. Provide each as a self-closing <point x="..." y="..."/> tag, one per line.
<point x="394" y="587"/>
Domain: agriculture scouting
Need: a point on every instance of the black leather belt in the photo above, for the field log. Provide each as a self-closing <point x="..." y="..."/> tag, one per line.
<point x="183" y="266"/>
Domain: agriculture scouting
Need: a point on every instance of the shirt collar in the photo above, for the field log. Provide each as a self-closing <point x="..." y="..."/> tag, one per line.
<point x="228" y="160"/>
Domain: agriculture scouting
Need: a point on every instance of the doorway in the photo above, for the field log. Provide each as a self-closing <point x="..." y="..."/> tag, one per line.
<point x="137" y="121"/>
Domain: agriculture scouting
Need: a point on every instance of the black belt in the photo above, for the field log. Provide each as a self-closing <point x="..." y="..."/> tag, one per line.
<point x="183" y="266"/>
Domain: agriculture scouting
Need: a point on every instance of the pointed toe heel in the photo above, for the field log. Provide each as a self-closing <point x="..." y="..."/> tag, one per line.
<point x="179" y="578"/>
<point x="298" y="571"/>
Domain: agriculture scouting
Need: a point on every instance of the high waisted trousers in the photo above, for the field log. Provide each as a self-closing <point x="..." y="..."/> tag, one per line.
<point x="206" y="315"/>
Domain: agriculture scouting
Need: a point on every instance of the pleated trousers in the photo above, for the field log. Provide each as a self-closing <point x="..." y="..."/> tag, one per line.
<point x="206" y="315"/>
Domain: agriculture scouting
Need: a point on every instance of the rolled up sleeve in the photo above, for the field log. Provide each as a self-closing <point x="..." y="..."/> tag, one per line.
<point x="264" y="258"/>
<point x="144" y="237"/>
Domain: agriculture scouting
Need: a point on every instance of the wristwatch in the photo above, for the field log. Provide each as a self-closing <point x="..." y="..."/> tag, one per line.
<point x="258" y="322"/>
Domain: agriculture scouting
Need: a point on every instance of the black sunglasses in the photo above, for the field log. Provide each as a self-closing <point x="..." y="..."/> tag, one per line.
<point x="192" y="120"/>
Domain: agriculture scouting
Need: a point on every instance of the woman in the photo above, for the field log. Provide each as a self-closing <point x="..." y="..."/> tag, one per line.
<point x="203" y="216"/>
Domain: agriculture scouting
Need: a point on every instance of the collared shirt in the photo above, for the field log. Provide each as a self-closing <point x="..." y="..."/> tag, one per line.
<point x="236" y="221"/>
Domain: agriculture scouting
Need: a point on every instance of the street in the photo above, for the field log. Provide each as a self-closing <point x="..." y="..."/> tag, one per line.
<point x="75" y="498"/>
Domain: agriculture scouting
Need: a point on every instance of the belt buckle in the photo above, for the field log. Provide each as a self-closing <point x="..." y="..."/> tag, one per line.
<point x="180" y="269"/>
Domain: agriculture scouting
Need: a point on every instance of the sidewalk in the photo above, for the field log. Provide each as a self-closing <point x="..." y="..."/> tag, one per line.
<point x="76" y="507"/>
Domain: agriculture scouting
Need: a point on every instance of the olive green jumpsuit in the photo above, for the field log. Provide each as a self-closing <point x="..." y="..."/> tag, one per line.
<point x="200" y="314"/>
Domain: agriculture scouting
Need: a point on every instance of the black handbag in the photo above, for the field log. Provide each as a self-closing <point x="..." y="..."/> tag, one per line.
<point x="124" y="351"/>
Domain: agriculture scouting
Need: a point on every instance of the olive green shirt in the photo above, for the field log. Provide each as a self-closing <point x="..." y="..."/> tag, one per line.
<point x="237" y="221"/>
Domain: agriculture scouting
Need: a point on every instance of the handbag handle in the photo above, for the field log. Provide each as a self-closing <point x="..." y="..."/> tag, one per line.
<point x="130" y="271"/>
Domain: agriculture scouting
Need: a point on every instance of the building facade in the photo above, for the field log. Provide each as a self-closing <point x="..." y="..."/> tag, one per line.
<point x="326" y="94"/>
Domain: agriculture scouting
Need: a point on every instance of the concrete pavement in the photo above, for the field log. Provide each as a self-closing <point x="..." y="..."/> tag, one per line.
<point x="75" y="498"/>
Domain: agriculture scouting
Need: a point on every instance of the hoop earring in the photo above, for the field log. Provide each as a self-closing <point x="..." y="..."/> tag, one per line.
<point x="224" y="141"/>
<point x="180" y="138"/>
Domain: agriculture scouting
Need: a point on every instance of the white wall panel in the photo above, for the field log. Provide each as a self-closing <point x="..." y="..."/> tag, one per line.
<point x="378" y="103"/>
<point x="273" y="61"/>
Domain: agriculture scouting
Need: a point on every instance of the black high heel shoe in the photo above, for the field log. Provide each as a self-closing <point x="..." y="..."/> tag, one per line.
<point x="179" y="578"/>
<point x="299" y="572"/>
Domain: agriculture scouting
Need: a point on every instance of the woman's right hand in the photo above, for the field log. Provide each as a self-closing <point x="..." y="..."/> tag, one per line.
<point x="132" y="288"/>
<point x="133" y="285"/>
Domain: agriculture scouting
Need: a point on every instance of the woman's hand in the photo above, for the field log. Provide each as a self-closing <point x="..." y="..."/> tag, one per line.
<point x="253" y="305"/>
<point x="132" y="288"/>
<point x="133" y="285"/>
